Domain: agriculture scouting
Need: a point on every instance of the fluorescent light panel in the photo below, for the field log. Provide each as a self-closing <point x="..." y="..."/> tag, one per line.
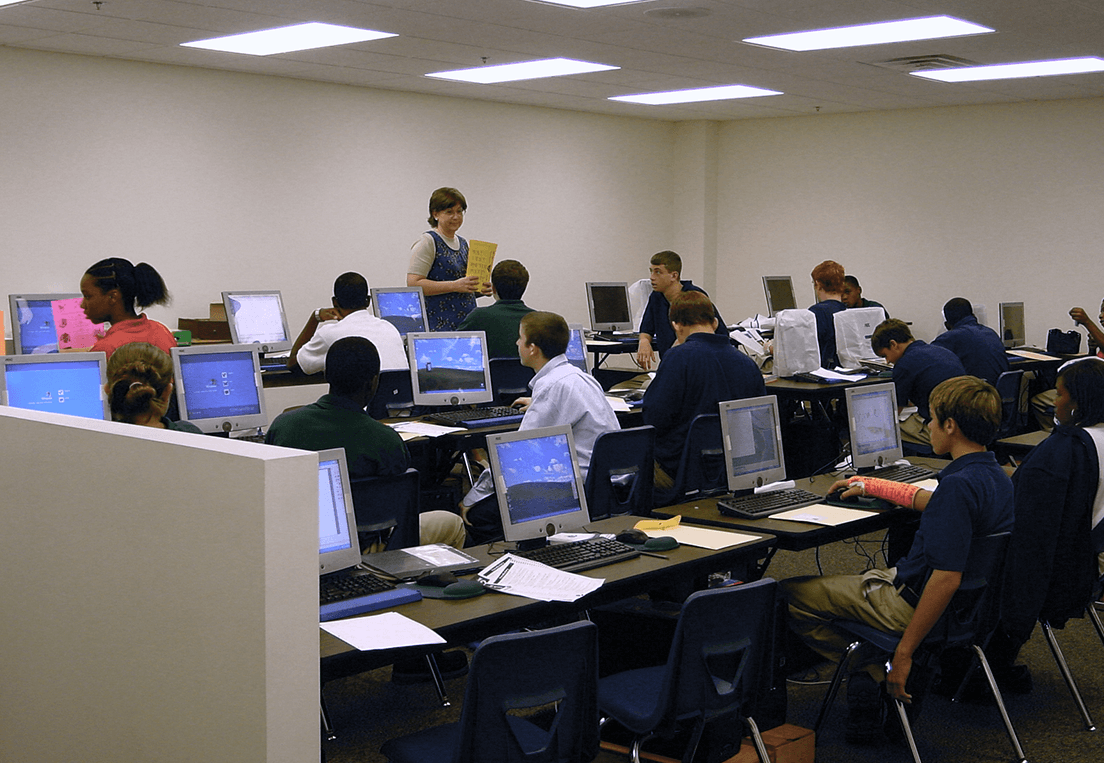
<point x="308" y="36"/>
<point x="697" y="95"/>
<point x="550" y="67"/>
<point x="13" y="2"/>
<point x="588" y="3"/>
<point x="1015" y="71"/>
<point x="931" y="28"/>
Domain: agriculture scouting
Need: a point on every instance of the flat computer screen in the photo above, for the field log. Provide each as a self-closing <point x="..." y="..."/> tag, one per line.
<point x="450" y="368"/>
<point x="402" y="307"/>
<point x="577" y="353"/>
<point x="537" y="481"/>
<point x="609" y="306"/>
<point x="338" y="545"/>
<point x="780" y="294"/>
<point x="41" y="323"/>
<point x="752" y="435"/>
<point x="1012" y="324"/>
<point x="70" y="382"/>
<point x="872" y="422"/>
<point x="218" y="387"/>
<point x="257" y="317"/>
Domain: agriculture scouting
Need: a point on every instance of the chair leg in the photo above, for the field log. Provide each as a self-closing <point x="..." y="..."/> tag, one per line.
<point x="438" y="681"/>
<point x="757" y="739"/>
<point x="1015" y="740"/>
<point x="1052" y="642"/>
<point x="833" y="689"/>
<point x="903" y="717"/>
<point x="326" y="725"/>
<point x="1095" y="618"/>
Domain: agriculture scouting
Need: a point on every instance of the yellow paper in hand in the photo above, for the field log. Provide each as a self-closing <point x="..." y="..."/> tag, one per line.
<point x="481" y="256"/>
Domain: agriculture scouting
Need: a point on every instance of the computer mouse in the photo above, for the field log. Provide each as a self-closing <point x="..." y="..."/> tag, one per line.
<point x="633" y="536"/>
<point x="438" y="579"/>
<point x="837" y="495"/>
<point x="463" y="589"/>
<point x="636" y="394"/>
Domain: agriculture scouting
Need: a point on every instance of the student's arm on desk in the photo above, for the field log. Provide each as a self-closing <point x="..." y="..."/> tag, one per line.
<point x="644" y="353"/>
<point x="941" y="586"/>
<point x="319" y="316"/>
<point x="895" y="492"/>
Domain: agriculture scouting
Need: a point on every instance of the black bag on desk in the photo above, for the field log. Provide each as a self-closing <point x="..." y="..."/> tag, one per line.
<point x="1063" y="342"/>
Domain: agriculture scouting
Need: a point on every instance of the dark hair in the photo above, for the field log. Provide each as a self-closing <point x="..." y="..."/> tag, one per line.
<point x="442" y="199"/>
<point x="1084" y="380"/>
<point x="137" y="375"/>
<point x="957" y="309"/>
<point x="139" y="284"/>
<point x="509" y="279"/>
<point x="547" y="331"/>
<point x="351" y="291"/>
<point x="852" y="281"/>
<point x="829" y="276"/>
<point x="973" y="403"/>
<point x="669" y="260"/>
<point x="890" y="330"/>
<point x="351" y="363"/>
<point x="691" y="308"/>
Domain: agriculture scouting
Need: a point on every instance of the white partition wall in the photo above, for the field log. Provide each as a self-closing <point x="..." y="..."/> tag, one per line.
<point x="159" y="598"/>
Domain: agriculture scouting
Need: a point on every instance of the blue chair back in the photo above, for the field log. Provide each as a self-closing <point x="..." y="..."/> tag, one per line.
<point x="702" y="465"/>
<point x="509" y="379"/>
<point x="621" y="475"/>
<point x="388" y="506"/>
<point x="1008" y="387"/>
<point x="395" y="390"/>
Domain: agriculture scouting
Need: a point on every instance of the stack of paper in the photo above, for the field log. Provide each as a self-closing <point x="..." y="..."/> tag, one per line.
<point x="524" y="577"/>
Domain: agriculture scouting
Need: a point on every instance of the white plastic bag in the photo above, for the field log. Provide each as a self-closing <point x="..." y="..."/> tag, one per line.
<point x="795" y="343"/>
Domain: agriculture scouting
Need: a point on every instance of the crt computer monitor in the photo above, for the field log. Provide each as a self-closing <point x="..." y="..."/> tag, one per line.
<point x="450" y="368"/>
<point x="34" y="330"/>
<point x="537" y="482"/>
<point x="218" y="386"/>
<point x="338" y="545"/>
<point x="609" y="306"/>
<point x="872" y="422"/>
<point x="780" y="294"/>
<point x="402" y="307"/>
<point x="257" y="317"/>
<point x="577" y="353"/>
<point x="68" y="382"/>
<point x="1012" y="324"/>
<point x="752" y="435"/>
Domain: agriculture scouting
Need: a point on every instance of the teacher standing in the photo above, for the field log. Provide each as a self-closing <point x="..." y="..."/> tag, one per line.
<point x="439" y="263"/>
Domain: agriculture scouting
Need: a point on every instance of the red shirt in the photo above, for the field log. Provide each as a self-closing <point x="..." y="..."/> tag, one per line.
<point x="139" y="329"/>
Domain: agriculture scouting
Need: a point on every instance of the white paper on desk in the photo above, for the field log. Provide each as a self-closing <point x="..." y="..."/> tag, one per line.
<point x="524" y="577"/>
<point x="824" y="373"/>
<point x="929" y="484"/>
<point x="1029" y="355"/>
<point x="422" y="429"/>
<point x="387" y="630"/>
<point x="618" y="404"/>
<point x="702" y="537"/>
<point x="823" y="514"/>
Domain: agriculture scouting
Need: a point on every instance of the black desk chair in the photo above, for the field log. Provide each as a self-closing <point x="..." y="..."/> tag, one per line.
<point x="1012" y="414"/>
<point x="965" y="623"/>
<point x="387" y="509"/>
<point x="395" y="391"/>
<point x="509" y="379"/>
<point x="713" y="672"/>
<point x="530" y="698"/>
<point x="701" y="468"/>
<point x="621" y="475"/>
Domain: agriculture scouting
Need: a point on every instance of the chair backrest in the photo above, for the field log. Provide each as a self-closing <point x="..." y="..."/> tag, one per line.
<point x="723" y="640"/>
<point x="702" y="465"/>
<point x="395" y="390"/>
<point x="532" y="697"/>
<point x="388" y="506"/>
<point x="621" y="475"/>
<point x="975" y="607"/>
<point x="1008" y="387"/>
<point x="509" y="379"/>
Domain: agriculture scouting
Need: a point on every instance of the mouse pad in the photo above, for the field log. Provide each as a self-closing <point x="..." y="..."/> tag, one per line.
<point x="434" y="592"/>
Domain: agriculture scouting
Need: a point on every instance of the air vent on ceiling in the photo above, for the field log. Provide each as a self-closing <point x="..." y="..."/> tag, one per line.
<point x="923" y="63"/>
<point x="677" y="13"/>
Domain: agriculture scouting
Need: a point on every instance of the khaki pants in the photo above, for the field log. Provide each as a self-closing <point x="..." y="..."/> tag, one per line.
<point x="914" y="430"/>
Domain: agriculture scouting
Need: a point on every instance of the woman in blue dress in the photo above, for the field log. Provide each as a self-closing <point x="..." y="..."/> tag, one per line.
<point x="439" y="263"/>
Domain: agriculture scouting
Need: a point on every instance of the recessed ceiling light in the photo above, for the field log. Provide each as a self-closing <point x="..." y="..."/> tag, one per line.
<point x="721" y="93"/>
<point x="930" y="28"/>
<point x="1016" y="71"/>
<point x="14" y="2"/>
<point x="287" y="39"/>
<point x="588" y="3"/>
<point x="549" y="67"/>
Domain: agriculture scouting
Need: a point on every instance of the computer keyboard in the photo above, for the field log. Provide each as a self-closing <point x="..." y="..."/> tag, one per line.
<point x="581" y="555"/>
<point x="348" y="595"/>
<point x="758" y="505"/>
<point x="479" y="417"/>
<point x="903" y="473"/>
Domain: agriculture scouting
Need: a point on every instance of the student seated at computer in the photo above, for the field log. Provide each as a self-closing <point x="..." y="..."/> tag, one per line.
<point x="978" y="347"/>
<point x="1042" y="405"/>
<point x="918" y="368"/>
<point x="339" y="420"/>
<point x="112" y="289"/>
<point x="973" y="500"/>
<point x="500" y="321"/>
<point x="828" y="284"/>
<point x="656" y="334"/>
<point x="852" y="295"/>
<point x="562" y="394"/>
<point x="349" y="316"/>
<point x="140" y="386"/>
<point x="698" y="373"/>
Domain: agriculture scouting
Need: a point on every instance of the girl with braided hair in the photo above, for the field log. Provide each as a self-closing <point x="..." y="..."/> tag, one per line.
<point x="140" y="385"/>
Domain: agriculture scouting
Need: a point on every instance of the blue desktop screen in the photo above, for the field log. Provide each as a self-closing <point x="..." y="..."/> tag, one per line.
<point x="71" y="387"/>
<point x="219" y="385"/>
